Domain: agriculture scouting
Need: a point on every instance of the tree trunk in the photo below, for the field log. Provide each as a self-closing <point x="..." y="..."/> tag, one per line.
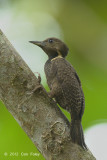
<point x="36" y="113"/>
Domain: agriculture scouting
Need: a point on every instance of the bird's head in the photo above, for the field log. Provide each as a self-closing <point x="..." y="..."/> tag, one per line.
<point x="53" y="47"/>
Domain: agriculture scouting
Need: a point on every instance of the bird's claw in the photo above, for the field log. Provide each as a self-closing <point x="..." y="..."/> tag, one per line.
<point x="35" y="89"/>
<point x="39" y="77"/>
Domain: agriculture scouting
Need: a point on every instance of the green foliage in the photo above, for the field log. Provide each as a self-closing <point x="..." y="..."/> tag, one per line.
<point x="13" y="139"/>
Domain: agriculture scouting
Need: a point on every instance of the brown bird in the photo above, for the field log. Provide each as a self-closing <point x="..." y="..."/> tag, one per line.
<point x="64" y="84"/>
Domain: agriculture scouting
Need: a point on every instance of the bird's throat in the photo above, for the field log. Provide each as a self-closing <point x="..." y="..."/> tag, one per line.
<point x="53" y="59"/>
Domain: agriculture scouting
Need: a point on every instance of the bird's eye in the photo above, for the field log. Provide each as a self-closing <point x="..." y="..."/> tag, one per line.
<point x="50" y="40"/>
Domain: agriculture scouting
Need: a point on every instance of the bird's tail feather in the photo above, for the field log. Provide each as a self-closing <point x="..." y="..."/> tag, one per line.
<point x="77" y="133"/>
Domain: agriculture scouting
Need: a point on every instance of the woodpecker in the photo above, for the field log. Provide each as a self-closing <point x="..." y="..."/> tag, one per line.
<point x="65" y="85"/>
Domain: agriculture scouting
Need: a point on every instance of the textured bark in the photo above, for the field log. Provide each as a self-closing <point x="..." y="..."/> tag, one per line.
<point x="36" y="113"/>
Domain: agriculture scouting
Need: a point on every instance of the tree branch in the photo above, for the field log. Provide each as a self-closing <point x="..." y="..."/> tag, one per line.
<point x="36" y="113"/>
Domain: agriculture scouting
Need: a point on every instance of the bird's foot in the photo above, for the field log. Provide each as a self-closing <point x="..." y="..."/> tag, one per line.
<point x="39" y="77"/>
<point x="39" y="87"/>
<point x="50" y="94"/>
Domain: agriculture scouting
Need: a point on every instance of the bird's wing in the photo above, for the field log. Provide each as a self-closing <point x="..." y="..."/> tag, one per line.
<point x="69" y="84"/>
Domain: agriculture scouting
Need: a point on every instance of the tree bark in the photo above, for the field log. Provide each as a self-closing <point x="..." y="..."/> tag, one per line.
<point x="36" y="113"/>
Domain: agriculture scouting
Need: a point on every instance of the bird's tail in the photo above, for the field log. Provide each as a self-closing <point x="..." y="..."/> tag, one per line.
<point x="77" y="133"/>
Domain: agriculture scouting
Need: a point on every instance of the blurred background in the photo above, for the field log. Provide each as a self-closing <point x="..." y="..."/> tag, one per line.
<point x="82" y="25"/>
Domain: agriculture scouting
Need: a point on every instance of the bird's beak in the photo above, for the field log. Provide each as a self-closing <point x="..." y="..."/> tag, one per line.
<point x="38" y="43"/>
